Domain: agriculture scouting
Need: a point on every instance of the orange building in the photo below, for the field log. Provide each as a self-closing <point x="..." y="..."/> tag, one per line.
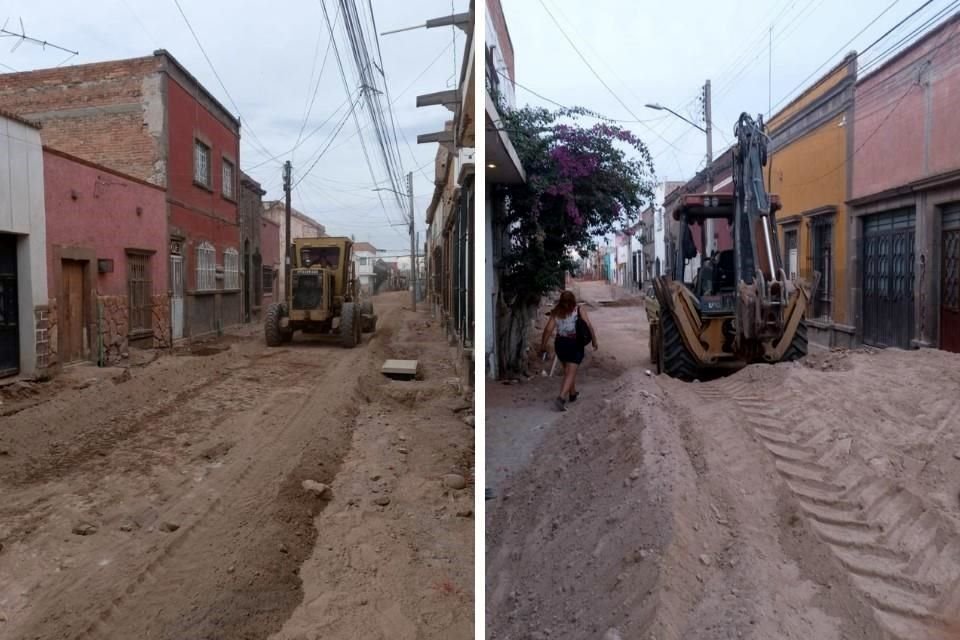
<point x="810" y="141"/>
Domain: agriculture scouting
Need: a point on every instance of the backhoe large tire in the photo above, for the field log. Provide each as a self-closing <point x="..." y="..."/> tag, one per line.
<point x="674" y="360"/>
<point x="798" y="346"/>
<point x="271" y="326"/>
<point x="349" y="325"/>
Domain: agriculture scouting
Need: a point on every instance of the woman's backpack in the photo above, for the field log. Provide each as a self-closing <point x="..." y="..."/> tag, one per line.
<point x="584" y="336"/>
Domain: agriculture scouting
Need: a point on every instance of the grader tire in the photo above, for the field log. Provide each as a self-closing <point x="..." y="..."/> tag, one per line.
<point x="798" y="346"/>
<point x="674" y="359"/>
<point x="368" y="319"/>
<point x="271" y="326"/>
<point x="349" y="325"/>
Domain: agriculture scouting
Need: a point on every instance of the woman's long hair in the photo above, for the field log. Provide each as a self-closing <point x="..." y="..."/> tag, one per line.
<point x="565" y="306"/>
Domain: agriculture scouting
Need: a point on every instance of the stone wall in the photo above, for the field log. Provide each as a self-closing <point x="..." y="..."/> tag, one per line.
<point x="50" y="353"/>
<point x="45" y="316"/>
<point x="161" y="322"/>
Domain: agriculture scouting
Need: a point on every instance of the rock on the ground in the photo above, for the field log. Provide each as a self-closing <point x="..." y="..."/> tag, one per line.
<point x="169" y="527"/>
<point x="454" y="481"/>
<point x="469" y="420"/>
<point x="85" y="529"/>
<point x="612" y="634"/>
<point x="382" y="501"/>
<point x="706" y="560"/>
<point x="315" y="487"/>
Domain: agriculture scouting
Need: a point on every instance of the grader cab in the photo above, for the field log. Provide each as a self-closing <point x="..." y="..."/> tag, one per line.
<point x="322" y="295"/>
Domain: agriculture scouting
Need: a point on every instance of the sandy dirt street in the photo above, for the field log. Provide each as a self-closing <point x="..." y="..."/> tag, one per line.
<point x="809" y="500"/>
<point x="178" y="499"/>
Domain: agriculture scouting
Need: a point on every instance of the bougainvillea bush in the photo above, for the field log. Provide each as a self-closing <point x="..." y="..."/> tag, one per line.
<point x="583" y="181"/>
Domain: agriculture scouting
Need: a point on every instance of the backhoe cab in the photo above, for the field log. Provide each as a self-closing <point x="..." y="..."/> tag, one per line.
<point x="322" y="295"/>
<point x="737" y="306"/>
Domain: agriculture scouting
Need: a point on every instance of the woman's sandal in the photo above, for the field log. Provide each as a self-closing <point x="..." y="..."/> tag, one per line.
<point x="574" y="396"/>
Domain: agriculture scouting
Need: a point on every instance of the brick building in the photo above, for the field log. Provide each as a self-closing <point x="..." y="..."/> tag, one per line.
<point x="106" y="261"/>
<point x="150" y="119"/>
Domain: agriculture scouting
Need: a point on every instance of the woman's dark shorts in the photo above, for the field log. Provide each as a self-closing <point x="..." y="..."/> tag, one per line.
<point x="568" y="350"/>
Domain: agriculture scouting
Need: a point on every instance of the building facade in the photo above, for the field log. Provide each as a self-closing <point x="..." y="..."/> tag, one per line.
<point x="152" y="120"/>
<point x="810" y="140"/>
<point x="301" y="226"/>
<point x="904" y="232"/>
<point x="364" y="259"/>
<point x="106" y="261"/>
<point x="450" y="214"/>
<point x="251" y="255"/>
<point x="270" y="263"/>
<point x="503" y="167"/>
<point x="24" y="313"/>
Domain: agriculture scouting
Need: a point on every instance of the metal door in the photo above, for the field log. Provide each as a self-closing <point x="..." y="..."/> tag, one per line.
<point x="950" y="281"/>
<point x="9" y="312"/>
<point x="888" y="271"/>
<point x="176" y="297"/>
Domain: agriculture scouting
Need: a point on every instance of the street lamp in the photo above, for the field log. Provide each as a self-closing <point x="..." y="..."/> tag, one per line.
<point x="659" y="107"/>
<point x="709" y="131"/>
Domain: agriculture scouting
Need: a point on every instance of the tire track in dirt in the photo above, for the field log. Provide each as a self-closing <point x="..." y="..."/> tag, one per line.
<point x="902" y="556"/>
<point x="250" y="520"/>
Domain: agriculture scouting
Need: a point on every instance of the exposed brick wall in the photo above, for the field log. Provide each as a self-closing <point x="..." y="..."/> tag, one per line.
<point x="109" y="112"/>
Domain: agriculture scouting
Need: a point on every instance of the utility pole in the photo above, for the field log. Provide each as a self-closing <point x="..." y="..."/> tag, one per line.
<point x="287" y="171"/>
<point x="708" y="125"/>
<point x="413" y="246"/>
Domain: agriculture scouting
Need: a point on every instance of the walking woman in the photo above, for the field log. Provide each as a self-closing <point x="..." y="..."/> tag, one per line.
<point x="567" y="344"/>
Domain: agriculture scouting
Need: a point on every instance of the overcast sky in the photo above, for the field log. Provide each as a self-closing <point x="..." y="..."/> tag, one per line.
<point x="662" y="52"/>
<point x="265" y="53"/>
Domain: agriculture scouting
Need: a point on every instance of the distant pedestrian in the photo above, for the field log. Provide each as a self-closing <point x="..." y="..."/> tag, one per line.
<point x="573" y="331"/>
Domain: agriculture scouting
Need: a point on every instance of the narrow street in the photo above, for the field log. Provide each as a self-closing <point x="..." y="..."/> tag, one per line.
<point x="167" y="500"/>
<point x="816" y="499"/>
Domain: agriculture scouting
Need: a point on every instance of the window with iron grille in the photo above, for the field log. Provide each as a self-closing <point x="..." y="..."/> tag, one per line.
<point x="206" y="267"/>
<point x="267" y="279"/>
<point x="228" y="179"/>
<point x="821" y="230"/>
<point x="139" y="293"/>
<point x="201" y="163"/>
<point x="231" y="269"/>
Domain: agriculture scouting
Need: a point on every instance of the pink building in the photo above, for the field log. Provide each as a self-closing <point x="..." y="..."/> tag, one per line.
<point x="106" y="261"/>
<point x="270" y="261"/>
<point x="905" y="197"/>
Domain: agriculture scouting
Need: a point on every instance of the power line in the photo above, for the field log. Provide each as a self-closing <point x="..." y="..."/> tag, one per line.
<point x="219" y="80"/>
<point x="597" y="75"/>
<point x="844" y="47"/>
<point x="316" y="88"/>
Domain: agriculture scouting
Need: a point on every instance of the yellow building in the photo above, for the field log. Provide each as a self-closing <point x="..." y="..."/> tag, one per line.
<point x="810" y="143"/>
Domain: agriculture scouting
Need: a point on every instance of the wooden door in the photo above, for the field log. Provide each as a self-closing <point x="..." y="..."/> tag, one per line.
<point x="72" y="299"/>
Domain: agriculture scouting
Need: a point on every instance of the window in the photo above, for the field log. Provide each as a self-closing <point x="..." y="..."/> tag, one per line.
<point x="231" y="269"/>
<point x="822" y="235"/>
<point x="201" y="163"/>
<point x="139" y="293"/>
<point x="267" y="279"/>
<point x="206" y="267"/>
<point x="228" y="179"/>
<point x="363" y="262"/>
<point x="790" y="257"/>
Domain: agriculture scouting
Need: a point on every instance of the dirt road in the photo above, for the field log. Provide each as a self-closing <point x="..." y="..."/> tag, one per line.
<point x="808" y="500"/>
<point x="166" y="501"/>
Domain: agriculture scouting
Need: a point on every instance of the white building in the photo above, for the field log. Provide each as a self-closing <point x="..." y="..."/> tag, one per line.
<point x="364" y="257"/>
<point x="24" y="314"/>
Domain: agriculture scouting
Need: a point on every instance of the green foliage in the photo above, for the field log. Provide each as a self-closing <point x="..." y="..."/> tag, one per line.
<point x="582" y="182"/>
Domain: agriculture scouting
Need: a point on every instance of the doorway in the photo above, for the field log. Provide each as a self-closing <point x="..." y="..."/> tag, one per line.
<point x="9" y="309"/>
<point x="72" y="334"/>
<point x="950" y="281"/>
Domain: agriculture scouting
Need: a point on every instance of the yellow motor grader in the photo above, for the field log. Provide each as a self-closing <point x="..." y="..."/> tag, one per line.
<point x="739" y="306"/>
<point x="322" y="295"/>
